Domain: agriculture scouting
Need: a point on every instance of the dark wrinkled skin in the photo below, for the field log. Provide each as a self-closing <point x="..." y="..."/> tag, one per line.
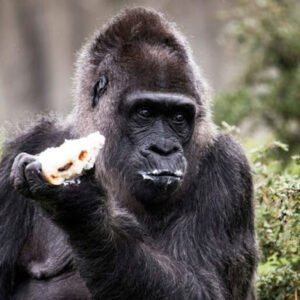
<point x="167" y="211"/>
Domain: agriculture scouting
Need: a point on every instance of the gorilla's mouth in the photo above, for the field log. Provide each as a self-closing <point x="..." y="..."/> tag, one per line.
<point x="162" y="177"/>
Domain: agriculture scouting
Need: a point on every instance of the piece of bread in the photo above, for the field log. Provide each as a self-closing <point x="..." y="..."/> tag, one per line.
<point x="71" y="158"/>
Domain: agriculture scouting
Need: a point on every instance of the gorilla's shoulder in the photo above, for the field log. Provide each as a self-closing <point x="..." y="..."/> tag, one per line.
<point x="227" y="143"/>
<point x="229" y="152"/>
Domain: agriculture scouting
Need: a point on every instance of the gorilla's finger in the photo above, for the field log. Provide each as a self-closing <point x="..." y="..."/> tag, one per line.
<point x="34" y="177"/>
<point x="17" y="176"/>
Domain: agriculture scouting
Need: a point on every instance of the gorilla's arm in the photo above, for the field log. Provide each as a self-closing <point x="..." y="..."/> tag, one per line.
<point x="109" y="245"/>
<point x="117" y="257"/>
<point x="16" y="212"/>
<point x="226" y="221"/>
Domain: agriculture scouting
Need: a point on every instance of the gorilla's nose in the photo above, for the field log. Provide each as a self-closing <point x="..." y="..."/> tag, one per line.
<point x="164" y="149"/>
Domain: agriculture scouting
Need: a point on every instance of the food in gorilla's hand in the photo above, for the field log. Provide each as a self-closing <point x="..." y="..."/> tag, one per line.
<point x="71" y="158"/>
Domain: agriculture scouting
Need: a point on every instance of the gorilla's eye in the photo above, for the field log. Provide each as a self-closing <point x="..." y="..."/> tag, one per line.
<point x="144" y="113"/>
<point x="99" y="89"/>
<point x="179" y="119"/>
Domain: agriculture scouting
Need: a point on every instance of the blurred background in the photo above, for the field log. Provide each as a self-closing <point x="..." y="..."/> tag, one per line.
<point x="250" y="53"/>
<point x="39" y="41"/>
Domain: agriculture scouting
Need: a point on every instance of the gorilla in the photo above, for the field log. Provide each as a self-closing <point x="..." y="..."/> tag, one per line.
<point x="167" y="211"/>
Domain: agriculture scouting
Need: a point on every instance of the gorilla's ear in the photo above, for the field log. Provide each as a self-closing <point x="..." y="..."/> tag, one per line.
<point x="99" y="89"/>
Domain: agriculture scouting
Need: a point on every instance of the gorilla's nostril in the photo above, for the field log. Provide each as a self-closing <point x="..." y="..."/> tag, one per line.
<point x="163" y="150"/>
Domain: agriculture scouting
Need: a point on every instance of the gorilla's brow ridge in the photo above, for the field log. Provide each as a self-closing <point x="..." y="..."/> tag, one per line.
<point x="159" y="96"/>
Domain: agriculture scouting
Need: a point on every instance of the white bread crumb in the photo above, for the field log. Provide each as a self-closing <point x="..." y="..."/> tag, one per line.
<point x="71" y="158"/>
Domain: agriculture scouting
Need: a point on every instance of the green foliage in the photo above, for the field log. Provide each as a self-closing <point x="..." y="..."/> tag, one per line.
<point x="267" y="33"/>
<point x="278" y="223"/>
<point x="233" y="106"/>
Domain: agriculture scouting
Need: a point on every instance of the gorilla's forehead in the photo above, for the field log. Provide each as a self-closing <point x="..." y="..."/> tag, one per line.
<point x="153" y="67"/>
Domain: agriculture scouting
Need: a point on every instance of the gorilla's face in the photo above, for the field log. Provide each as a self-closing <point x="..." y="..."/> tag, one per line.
<point x="150" y="106"/>
<point x="156" y="128"/>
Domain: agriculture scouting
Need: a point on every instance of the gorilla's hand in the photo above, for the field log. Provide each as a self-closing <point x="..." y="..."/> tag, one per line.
<point x="72" y="198"/>
<point x="26" y="177"/>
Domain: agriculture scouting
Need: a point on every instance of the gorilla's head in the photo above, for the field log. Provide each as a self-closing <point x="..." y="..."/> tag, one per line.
<point x="137" y="84"/>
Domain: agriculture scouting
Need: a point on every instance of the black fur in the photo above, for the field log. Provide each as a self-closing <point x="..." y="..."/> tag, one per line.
<point x="167" y="212"/>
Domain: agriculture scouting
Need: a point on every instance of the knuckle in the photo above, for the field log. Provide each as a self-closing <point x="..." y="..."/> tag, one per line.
<point x="20" y="162"/>
<point x="33" y="167"/>
<point x="20" y="157"/>
<point x="27" y="160"/>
